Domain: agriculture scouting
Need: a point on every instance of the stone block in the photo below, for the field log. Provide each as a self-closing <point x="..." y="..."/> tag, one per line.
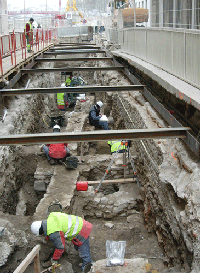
<point x="109" y="225"/>
<point x="39" y="185"/>
<point x="104" y="200"/>
<point x="99" y="214"/>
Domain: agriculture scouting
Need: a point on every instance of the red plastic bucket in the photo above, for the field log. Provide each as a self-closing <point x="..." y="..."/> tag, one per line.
<point x="82" y="186"/>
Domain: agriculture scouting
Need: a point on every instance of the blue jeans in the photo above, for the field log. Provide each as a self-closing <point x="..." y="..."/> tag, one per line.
<point x="46" y="150"/>
<point x="104" y="124"/>
<point x="84" y="253"/>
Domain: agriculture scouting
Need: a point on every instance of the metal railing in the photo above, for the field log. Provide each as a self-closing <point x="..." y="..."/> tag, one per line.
<point x="173" y="50"/>
<point x="11" y="43"/>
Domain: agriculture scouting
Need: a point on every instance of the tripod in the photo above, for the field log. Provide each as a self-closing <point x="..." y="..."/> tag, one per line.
<point x="125" y="151"/>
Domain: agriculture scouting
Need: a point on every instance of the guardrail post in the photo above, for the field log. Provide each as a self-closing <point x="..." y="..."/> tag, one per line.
<point x="14" y="46"/>
<point x="10" y="47"/>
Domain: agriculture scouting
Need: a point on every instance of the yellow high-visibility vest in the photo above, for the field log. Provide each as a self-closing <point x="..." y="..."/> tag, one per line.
<point x="60" y="99"/>
<point x="70" y="225"/>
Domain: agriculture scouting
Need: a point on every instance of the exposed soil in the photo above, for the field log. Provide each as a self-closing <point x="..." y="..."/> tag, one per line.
<point x="140" y="240"/>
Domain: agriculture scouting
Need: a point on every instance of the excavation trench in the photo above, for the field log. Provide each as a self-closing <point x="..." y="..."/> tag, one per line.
<point x="143" y="217"/>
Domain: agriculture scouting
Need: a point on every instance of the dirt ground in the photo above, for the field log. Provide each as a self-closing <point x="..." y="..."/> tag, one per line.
<point x="139" y="241"/>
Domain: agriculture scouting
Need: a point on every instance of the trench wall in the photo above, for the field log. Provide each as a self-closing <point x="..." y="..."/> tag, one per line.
<point x="159" y="211"/>
<point x="25" y="116"/>
<point x="166" y="187"/>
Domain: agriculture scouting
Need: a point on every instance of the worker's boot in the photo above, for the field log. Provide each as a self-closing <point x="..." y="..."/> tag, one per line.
<point x="87" y="268"/>
<point x="52" y="162"/>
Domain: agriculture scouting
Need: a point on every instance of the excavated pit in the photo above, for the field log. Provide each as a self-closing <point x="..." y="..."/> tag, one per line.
<point x="146" y="222"/>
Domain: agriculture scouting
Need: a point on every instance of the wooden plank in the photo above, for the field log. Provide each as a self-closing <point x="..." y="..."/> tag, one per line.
<point x="122" y="181"/>
<point x="37" y="263"/>
<point x="25" y="263"/>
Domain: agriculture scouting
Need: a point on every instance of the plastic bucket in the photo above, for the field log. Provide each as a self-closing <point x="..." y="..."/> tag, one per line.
<point x="71" y="162"/>
<point x="82" y="186"/>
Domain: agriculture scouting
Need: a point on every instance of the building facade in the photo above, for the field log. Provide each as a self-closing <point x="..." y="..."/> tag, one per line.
<point x="146" y="5"/>
<point x="175" y="13"/>
<point x="3" y="17"/>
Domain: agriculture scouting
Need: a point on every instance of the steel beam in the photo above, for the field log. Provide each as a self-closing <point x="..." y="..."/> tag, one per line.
<point x="74" y="47"/>
<point x="78" y="89"/>
<point x="94" y="136"/>
<point x="190" y="140"/>
<point x="71" y="69"/>
<point x="74" y="52"/>
<point x="76" y="44"/>
<point x="73" y="59"/>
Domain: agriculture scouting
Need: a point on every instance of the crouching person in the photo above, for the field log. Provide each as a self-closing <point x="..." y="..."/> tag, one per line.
<point x="56" y="151"/>
<point x="60" y="226"/>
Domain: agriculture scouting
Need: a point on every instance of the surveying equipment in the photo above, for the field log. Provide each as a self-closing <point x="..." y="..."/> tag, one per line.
<point x="125" y="151"/>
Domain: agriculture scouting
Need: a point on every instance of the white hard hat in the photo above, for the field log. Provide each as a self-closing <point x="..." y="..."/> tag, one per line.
<point x="56" y="128"/>
<point x="35" y="227"/>
<point x="100" y="104"/>
<point x="63" y="85"/>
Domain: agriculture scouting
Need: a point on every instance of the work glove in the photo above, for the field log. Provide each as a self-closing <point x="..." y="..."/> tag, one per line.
<point x="53" y="262"/>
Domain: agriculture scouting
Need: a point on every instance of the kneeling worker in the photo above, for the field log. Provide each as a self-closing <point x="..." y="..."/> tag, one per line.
<point x="116" y="146"/>
<point x="95" y="116"/>
<point x="56" y="150"/>
<point x="60" y="226"/>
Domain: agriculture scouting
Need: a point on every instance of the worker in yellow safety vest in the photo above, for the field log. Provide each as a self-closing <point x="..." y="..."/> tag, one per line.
<point x="70" y="97"/>
<point x="60" y="226"/>
<point x="68" y="80"/>
<point x="61" y="101"/>
<point x="116" y="146"/>
<point x="29" y="34"/>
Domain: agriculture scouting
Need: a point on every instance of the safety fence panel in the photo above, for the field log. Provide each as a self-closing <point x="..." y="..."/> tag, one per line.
<point x="10" y="44"/>
<point x="5" y="44"/>
<point x="72" y="31"/>
<point x="112" y="35"/>
<point x="128" y="47"/>
<point x="178" y="51"/>
<point x="160" y="48"/>
<point x="121" y="39"/>
<point x="192" y="67"/>
<point x="173" y="50"/>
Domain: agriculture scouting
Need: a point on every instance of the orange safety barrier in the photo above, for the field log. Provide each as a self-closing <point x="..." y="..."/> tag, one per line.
<point x="13" y="48"/>
<point x="10" y="49"/>
<point x="43" y="37"/>
<point x="37" y="40"/>
<point x="49" y="36"/>
<point x="23" y="44"/>
<point x="46" y="36"/>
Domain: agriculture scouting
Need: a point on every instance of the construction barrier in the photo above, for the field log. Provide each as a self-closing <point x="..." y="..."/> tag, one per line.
<point x="14" y="42"/>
